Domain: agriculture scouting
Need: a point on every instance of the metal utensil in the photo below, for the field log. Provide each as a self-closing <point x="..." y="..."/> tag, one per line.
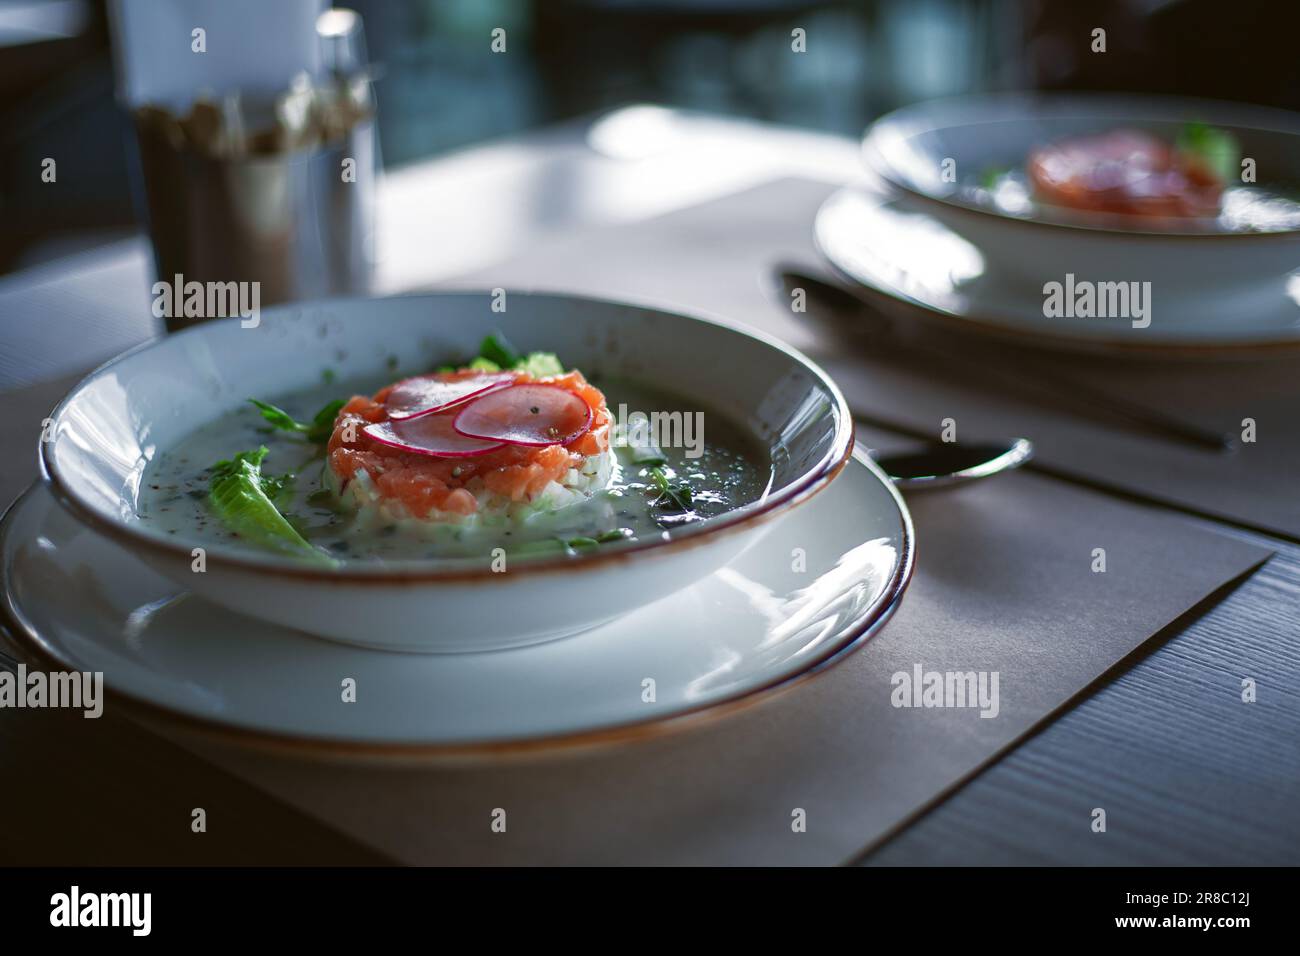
<point x="849" y="309"/>
<point x="943" y="465"/>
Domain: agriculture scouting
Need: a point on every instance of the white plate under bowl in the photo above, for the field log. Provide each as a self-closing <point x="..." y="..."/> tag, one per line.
<point x="757" y="625"/>
<point x="104" y="434"/>
<point x="897" y="247"/>
<point x="1213" y="283"/>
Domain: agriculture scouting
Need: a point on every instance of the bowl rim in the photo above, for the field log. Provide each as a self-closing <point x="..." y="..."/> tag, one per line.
<point x="24" y="636"/>
<point x="803" y="487"/>
<point x="923" y="116"/>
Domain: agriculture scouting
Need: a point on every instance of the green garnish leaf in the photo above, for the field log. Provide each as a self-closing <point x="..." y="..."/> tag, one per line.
<point x="323" y="421"/>
<point x="673" y="495"/>
<point x="556" y="544"/>
<point x="318" y="429"/>
<point x="277" y="416"/>
<point x="227" y="468"/>
<point x="496" y="348"/>
<point x="496" y="353"/>
<point x="992" y="176"/>
<point x="238" y="496"/>
<point x="1213" y="148"/>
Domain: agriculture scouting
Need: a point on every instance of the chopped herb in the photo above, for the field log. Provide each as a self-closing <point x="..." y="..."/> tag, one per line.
<point x="323" y="420"/>
<point x="497" y="348"/>
<point x="496" y="353"/>
<point x="992" y="175"/>
<point x="673" y="495"/>
<point x="618" y="534"/>
<point x="1213" y="148"/>
<point x="318" y="429"/>
<point x="277" y="416"/>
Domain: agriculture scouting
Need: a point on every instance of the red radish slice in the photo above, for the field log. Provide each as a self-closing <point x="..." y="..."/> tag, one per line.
<point x="426" y="394"/>
<point x="431" y="435"/>
<point x="529" y="414"/>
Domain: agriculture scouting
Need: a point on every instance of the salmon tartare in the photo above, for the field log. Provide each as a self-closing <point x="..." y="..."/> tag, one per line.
<point x="1125" y="172"/>
<point x="470" y="444"/>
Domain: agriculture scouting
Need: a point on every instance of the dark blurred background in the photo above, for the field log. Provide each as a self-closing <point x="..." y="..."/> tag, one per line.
<point x="442" y="88"/>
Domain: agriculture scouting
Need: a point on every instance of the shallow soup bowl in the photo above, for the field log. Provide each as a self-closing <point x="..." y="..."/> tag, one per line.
<point x="105" y="433"/>
<point x="1228" y="278"/>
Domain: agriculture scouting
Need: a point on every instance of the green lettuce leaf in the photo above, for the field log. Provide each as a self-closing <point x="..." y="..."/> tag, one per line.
<point x="237" y="494"/>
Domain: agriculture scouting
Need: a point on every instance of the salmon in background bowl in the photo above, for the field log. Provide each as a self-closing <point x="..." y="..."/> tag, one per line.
<point x="406" y="480"/>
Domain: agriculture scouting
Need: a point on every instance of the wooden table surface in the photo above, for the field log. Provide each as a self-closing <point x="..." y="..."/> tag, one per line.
<point x="1187" y="772"/>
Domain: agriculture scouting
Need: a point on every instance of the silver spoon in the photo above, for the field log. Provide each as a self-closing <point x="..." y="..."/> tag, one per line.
<point x="943" y="465"/>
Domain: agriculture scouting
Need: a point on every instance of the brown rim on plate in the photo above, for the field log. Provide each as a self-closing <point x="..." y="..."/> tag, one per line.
<point x="26" y="638"/>
<point x="798" y="491"/>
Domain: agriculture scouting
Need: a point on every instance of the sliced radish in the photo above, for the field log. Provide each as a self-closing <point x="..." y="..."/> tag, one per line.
<point x="427" y="394"/>
<point x="429" y="435"/>
<point x="529" y="414"/>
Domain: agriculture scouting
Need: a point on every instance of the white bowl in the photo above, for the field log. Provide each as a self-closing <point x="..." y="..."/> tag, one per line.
<point x="107" y="430"/>
<point x="1204" y="274"/>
